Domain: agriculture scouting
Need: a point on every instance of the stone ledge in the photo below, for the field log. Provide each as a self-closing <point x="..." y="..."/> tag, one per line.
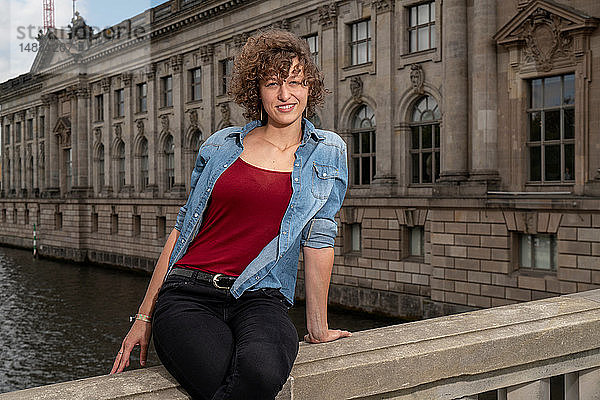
<point x="441" y="358"/>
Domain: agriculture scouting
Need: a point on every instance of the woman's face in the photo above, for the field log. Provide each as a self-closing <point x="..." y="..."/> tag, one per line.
<point x="284" y="100"/>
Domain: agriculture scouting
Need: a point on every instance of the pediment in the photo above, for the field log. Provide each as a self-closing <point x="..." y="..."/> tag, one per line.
<point x="53" y="51"/>
<point x="63" y="124"/>
<point x="544" y="19"/>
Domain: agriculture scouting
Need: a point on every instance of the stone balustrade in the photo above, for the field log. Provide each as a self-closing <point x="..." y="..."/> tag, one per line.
<point x="511" y="351"/>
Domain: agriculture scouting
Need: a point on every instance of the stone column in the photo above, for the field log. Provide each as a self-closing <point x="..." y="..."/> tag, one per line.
<point x="328" y="52"/>
<point x="34" y="146"/>
<point x="455" y="92"/>
<point x="384" y="180"/>
<point x="106" y="134"/>
<point x="75" y="129"/>
<point x="178" y="125"/>
<point x="151" y="130"/>
<point x="81" y="149"/>
<point x="127" y="131"/>
<point x="52" y="167"/>
<point x="484" y="103"/>
<point x="539" y="390"/>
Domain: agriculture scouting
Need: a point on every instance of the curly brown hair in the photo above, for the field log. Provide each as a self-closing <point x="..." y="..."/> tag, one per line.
<point x="265" y="55"/>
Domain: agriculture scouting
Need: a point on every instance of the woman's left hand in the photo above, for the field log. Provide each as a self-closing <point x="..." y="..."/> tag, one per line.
<point x="329" y="336"/>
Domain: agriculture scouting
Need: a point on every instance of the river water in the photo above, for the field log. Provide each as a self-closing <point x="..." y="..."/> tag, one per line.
<point x="62" y="321"/>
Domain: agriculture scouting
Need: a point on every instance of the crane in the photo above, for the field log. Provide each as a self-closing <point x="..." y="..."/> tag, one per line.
<point x="48" y="14"/>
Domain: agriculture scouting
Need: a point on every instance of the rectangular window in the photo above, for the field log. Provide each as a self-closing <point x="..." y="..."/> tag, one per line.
<point x="538" y="252"/>
<point x="225" y="69"/>
<point x="58" y="222"/>
<point x="161" y="227"/>
<point x="166" y="90"/>
<point x="142" y="97"/>
<point x="30" y="129"/>
<point x="94" y="227"/>
<point x="137" y="225"/>
<point x="18" y="133"/>
<point x="313" y="45"/>
<point x="99" y="105"/>
<point x="119" y="103"/>
<point x="551" y="129"/>
<point x="360" y="42"/>
<point x="26" y="217"/>
<point x="355" y="234"/>
<point x="114" y="224"/>
<point x="416" y="239"/>
<point x="196" y="84"/>
<point x="7" y="134"/>
<point x="42" y="127"/>
<point x="4" y="215"/>
<point x="421" y="29"/>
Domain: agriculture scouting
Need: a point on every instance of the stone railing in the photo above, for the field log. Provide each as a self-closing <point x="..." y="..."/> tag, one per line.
<point x="513" y="350"/>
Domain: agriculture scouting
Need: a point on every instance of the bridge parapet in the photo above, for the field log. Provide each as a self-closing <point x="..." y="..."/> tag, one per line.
<point x="514" y="350"/>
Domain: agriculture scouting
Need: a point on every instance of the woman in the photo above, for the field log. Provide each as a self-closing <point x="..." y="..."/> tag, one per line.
<point x="218" y="299"/>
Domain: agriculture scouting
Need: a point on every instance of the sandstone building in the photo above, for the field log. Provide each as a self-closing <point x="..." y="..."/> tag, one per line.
<point x="472" y="128"/>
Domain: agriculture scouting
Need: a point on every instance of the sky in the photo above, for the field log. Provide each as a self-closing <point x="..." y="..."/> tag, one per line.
<point x="18" y="46"/>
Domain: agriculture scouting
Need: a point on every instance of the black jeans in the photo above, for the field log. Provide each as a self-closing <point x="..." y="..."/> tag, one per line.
<point x="219" y="347"/>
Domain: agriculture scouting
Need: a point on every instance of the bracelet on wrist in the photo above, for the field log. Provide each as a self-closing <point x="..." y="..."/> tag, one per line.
<point x="140" y="317"/>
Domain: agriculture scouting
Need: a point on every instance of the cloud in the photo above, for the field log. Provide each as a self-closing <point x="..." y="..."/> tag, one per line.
<point x="19" y="25"/>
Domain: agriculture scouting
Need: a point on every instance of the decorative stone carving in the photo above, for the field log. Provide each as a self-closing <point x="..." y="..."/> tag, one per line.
<point x="206" y="53"/>
<point x="328" y="15"/>
<point x="98" y="135"/>
<point x="140" y="126"/>
<point x="193" y="118"/>
<point x="225" y="114"/>
<point x="382" y="5"/>
<point x="356" y="88"/>
<point x="41" y="154"/>
<point x="105" y="83"/>
<point x="164" y="122"/>
<point x="126" y="79"/>
<point x="118" y="130"/>
<point x="176" y="63"/>
<point x="47" y="99"/>
<point x="82" y="91"/>
<point x="417" y="78"/>
<point x="151" y="71"/>
<point x="544" y="39"/>
<point x="240" y="40"/>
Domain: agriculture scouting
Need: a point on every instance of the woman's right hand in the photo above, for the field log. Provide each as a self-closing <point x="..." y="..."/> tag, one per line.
<point x="139" y="334"/>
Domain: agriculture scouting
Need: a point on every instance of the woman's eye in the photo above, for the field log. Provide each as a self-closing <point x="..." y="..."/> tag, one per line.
<point x="270" y="84"/>
<point x="295" y="83"/>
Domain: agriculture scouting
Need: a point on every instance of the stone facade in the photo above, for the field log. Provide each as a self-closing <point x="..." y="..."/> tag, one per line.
<point x="474" y="148"/>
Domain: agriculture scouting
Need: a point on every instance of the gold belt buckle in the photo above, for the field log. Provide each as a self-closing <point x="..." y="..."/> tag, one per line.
<point x="215" y="282"/>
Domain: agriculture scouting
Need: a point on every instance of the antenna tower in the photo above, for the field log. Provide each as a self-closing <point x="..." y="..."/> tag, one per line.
<point x="48" y="14"/>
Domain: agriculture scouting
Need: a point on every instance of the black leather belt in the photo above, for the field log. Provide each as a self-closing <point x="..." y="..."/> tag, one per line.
<point x="219" y="281"/>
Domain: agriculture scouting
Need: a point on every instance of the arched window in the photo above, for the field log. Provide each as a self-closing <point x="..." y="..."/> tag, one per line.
<point x="121" y="165"/>
<point x="101" y="167"/>
<point x="144" y="164"/>
<point x="363" y="146"/>
<point x="425" y="141"/>
<point x="169" y="151"/>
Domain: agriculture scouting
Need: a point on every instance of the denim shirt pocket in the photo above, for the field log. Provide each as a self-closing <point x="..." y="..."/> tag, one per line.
<point x="323" y="177"/>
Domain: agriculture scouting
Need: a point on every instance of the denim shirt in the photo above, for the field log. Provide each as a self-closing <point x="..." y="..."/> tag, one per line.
<point x="319" y="183"/>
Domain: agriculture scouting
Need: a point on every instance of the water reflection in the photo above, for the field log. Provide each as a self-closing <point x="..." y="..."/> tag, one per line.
<point x="64" y="321"/>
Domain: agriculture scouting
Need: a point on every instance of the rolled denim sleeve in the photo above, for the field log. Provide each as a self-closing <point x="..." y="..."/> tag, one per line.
<point x="196" y="172"/>
<point x="321" y="230"/>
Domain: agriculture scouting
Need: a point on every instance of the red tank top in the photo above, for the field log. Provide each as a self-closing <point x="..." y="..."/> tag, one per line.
<point x="242" y="216"/>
